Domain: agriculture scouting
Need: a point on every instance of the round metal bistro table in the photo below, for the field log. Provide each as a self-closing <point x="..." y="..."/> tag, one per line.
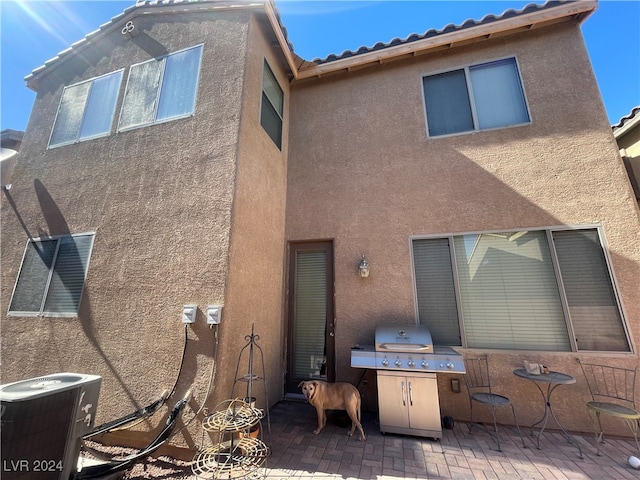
<point x="552" y="380"/>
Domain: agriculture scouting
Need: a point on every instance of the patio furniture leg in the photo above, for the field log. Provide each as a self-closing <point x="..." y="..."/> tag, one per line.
<point x="634" y="426"/>
<point x="518" y="426"/>
<point x="597" y="428"/>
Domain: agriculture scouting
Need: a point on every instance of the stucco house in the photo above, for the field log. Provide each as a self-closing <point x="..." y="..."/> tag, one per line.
<point x="184" y="155"/>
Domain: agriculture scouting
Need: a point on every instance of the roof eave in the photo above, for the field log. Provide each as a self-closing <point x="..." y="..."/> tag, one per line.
<point x="133" y="11"/>
<point x="576" y="11"/>
<point x="629" y="125"/>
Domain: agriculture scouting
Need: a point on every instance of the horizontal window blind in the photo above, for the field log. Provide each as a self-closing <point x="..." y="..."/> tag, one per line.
<point x="310" y="313"/>
<point x="447" y="103"/>
<point x="52" y="276"/>
<point x="497" y="94"/>
<point x="593" y="308"/>
<point x="179" y="84"/>
<point x="435" y="290"/>
<point x="508" y="293"/>
<point x="70" y="269"/>
<point x="33" y="277"/>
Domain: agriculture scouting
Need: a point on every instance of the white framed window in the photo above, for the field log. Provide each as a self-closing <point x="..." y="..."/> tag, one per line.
<point x="272" y="107"/>
<point x="477" y="97"/>
<point x="161" y="89"/>
<point x="86" y="110"/>
<point x="547" y="290"/>
<point x="52" y="276"/>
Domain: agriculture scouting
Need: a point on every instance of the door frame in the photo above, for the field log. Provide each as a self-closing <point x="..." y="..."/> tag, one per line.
<point x="291" y="385"/>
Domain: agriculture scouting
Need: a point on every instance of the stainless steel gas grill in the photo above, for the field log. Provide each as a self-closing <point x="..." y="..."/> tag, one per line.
<point x="406" y="363"/>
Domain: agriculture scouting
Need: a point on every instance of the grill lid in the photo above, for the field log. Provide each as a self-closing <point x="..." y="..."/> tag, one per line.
<point x="405" y="338"/>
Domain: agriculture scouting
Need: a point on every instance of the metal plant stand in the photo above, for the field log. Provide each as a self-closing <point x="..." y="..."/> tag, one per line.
<point x="250" y="376"/>
<point x="237" y="453"/>
<point x="236" y="426"/>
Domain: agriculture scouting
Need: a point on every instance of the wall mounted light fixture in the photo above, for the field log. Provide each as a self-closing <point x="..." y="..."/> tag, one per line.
<point x="363" y="268"/>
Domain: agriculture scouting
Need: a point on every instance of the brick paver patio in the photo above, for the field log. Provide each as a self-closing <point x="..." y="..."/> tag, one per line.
<point x="297" y="453"/>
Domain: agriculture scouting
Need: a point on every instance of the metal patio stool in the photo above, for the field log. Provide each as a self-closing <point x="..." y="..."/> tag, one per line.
<point x="612" y="392"/>
<point x="478" y="384"/>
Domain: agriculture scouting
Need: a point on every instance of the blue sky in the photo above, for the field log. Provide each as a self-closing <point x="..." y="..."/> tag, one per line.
<point x="33" y="31"/>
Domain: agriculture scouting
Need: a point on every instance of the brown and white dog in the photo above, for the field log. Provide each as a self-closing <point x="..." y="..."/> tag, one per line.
<point x="333" y="396"/>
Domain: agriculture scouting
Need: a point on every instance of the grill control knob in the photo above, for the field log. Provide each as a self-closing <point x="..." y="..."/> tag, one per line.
<point x="424" y="364"/>
<point x="385" y="362"/>
<point x="450" y="365"/>
<point x="398" y="363"/>
<point x="411" y="363"/>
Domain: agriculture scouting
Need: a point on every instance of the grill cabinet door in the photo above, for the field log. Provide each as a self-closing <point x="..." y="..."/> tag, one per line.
<point x="393" y="400"/>
<point x="423" y="401"/>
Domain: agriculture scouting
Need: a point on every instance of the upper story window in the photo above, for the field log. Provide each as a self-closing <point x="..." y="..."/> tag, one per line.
<point x="86" y="110"/>
<point x="272" y="110"/>
<point x="548" y="290"/>
<point x="478" y="97"/>
<point x="161" y="89"/>
<point x="52" y="276"/>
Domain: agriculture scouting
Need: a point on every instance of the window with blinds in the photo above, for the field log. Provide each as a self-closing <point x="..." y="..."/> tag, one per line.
<point x="547" y="290"/>
<point x="86" y="110"/>
<point x="52" y="276"/>
<point x="161" y="89"/>
<point x="479" y="97"/>
<point x="310" y="314"/>
<point x="272" y="107"/>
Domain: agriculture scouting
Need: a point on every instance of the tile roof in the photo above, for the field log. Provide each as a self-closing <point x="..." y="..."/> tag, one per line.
<point x="297" y="64"/>
<point x="138" y="5"/>
<point x="627" y="119"/>
<point x="532" y="7"/>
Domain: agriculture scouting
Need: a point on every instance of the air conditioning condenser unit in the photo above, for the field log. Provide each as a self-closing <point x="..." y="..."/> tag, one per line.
<point x="42" y="422"/>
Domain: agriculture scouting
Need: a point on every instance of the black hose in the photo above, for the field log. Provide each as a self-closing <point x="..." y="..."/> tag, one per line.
<point x="139" y="414"/>
<point x="143" y="412"/>
<point x="97" y="471"/>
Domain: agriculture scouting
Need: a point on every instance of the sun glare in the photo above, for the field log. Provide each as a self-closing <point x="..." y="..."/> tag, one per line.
<point x="42" y="13"/>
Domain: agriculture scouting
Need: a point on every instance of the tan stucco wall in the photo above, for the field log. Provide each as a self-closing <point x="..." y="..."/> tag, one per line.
<point x="363" y="172"/>
<point x="255" y="278"/>
<point x="161" y="200"/>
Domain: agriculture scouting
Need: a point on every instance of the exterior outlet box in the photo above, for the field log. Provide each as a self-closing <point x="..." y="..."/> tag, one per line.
<point x="189" y="313"/>
<point x="213" y="314"/>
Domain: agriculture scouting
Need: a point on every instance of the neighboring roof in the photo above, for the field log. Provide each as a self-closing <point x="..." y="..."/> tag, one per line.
<point x="509" y="22"/>
<point x="9" y="138"/>
<point x="627" y="123"/>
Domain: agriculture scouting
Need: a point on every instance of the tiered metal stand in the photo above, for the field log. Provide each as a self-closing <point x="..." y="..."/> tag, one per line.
<point x="250" y="376"/>
<point x="236" y="426"/>
<point x="238" y="453"/>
